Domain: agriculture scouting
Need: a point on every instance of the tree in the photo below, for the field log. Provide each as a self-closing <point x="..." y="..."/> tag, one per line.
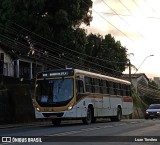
<point x="111" y="55"/>
<point x="129" y="65"/>
<point x="54" y="20"/>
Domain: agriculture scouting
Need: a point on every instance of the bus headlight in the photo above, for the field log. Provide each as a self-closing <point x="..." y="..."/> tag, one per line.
<point x="37" y="109"/>
<point x="70" y="106"/>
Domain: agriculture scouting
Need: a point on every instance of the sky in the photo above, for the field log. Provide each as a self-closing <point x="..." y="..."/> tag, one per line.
<point x="136" y="24"/>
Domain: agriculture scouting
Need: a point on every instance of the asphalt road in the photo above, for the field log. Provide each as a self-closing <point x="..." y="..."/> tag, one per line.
<point x="127" y="132"/>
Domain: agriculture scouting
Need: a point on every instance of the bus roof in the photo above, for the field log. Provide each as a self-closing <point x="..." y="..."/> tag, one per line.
<point x="101" y="76"/>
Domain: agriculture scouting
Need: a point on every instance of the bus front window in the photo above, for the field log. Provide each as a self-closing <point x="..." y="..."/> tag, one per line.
<point x="54" y="91"/>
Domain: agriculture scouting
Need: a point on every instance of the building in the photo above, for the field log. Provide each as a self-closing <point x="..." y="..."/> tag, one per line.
<point x="6" y="64"/>
<point x="137" y="80"/>
<point x="157" y="81"/>
<point x="19" y="67"/>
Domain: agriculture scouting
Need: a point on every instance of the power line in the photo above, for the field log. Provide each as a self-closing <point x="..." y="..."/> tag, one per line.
<point x="136" y="4"/>
<point x="121" y="17"/>
<point x="115" y="12"/>
<point x="63" y="46"/>
<point x="125" y="7"/>
<point x="111" y="24"/>
<point x="125" y="15"/>
<point x="149" y="17"/>
<point x="150" y="7"/>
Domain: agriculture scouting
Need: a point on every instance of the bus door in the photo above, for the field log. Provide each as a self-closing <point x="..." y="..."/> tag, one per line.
<point x="80" y="108"/>
<point x="106" y="98"/>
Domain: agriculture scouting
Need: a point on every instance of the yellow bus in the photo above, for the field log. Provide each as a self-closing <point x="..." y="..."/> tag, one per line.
<point x="78" y="94"/>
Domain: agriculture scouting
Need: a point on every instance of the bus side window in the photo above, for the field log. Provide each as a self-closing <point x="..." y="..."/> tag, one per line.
<point x="115" y="88"/>
<point x="97" y="86"/>
<point x="93" y="84"/>
<point x="118" y="89"/>
<point x="80" y="86"/>
<point x="121" y="89"/>
<point x="101" y="86"/>
<point x="104" y="87"/>
<point x="129" y="87"/>
<point x="124" y="90"/>
<point x="107" y="87"/>
<point x="128" y="93"/>
<point x="88" y="84"/>
<point x="111" y="88"/>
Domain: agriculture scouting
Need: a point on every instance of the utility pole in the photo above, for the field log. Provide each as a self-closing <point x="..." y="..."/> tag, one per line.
<point x="130" y="79"/>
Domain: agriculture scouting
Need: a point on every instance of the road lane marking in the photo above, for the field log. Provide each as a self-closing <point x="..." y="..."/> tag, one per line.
<point x="89" y="129"/>
<point x="107" y="126"/>
<point x="120" y="124"/>
<point x="81" y="130"/>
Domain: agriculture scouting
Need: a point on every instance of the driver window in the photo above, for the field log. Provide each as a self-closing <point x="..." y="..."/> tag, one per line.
<point x="80" y="86"/>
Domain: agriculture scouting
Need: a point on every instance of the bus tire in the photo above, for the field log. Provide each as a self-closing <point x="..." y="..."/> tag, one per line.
<point x="119" y="114"/>
<point x="118" y="117"/>
<point x="56" y="122"/>
<point x="88" y="118"/>
<point x="130" y="116"/>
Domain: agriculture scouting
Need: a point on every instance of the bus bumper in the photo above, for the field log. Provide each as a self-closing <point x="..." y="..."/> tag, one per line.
<point x="61" y="114"/>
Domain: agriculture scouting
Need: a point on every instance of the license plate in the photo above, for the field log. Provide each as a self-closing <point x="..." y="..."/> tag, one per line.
<point x="53" y="116"/>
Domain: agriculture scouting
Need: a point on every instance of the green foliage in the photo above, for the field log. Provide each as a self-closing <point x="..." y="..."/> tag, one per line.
<point x="46" y="17"/>
<point x="108" y="49"/>
<point x="138" y="101"/>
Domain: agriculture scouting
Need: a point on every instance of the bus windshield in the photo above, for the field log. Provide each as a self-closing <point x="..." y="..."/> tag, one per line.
<point x="54" y="91"/>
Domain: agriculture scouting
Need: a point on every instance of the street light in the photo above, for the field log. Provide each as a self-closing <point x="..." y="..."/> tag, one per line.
<point x="143" y="62"/>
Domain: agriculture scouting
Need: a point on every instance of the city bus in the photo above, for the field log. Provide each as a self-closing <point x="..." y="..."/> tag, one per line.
<point x="78" y="94"/>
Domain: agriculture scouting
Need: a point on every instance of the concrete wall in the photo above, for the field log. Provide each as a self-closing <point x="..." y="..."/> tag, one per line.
<point x="16" y="104"/>
<point x="8" y="64"/>
<point x="138" y="113"/>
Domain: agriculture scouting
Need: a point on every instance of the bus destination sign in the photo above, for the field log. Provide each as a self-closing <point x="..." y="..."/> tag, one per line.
<point x="50" y="74"/>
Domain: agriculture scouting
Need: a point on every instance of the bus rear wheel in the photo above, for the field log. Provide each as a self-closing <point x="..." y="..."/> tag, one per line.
<point x="119" y="114"/>
<point x="118" y="117"/>
<point x="56" y="122"/>
<point x="88" y="119"/>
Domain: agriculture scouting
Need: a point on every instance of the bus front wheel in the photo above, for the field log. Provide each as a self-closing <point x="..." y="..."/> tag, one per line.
<point x="88" y="118"/>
